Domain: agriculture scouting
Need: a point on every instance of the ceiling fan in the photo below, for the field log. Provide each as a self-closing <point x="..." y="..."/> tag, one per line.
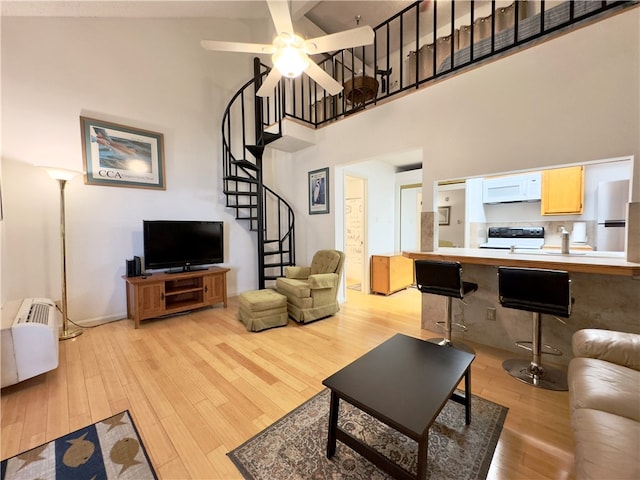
<point x="290" y="52"/>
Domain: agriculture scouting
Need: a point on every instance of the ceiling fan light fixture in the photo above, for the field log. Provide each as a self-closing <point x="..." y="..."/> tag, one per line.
<point x="291" y="54"/>
<point x="290" y="61"/>
<point x="310" y="47"/>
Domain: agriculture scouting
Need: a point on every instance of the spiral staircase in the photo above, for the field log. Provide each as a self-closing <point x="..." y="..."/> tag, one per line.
<point x="244" y="139"/>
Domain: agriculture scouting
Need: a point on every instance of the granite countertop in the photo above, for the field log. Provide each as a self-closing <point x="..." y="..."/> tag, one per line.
<point x="606" y="263"/>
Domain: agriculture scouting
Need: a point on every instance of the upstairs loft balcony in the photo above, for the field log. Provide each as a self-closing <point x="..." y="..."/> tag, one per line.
<point x="424" y="43"/>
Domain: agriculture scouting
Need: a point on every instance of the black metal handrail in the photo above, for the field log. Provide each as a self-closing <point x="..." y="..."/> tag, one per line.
<point x="279" y="235"/>
<point x="267" y="212"/>
<point x="400" y="42"/>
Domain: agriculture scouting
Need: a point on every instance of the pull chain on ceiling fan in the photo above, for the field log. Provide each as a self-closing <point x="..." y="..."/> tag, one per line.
<point x="290" y="52"/>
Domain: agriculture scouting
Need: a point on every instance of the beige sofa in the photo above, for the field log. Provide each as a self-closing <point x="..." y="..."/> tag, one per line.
<point x="604" y="392"/>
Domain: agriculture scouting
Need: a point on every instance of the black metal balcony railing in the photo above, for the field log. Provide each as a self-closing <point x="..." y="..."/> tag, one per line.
<point x="419" y="45"/>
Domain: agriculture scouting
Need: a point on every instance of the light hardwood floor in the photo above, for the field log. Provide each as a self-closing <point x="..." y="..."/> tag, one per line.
<point x="199" y="385"/>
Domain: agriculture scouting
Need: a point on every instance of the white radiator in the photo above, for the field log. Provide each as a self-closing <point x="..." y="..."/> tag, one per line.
<point x="29" y="339"/>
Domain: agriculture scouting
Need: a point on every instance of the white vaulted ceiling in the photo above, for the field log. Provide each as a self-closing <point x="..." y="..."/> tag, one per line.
<point x="331" y="16"/>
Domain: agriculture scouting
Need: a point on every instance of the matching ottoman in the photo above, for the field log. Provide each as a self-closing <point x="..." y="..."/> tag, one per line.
<point x="262" y="309"/>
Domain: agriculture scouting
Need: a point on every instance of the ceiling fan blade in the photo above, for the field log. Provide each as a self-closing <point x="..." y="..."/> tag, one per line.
<point x="269" y="83"/>
<point x="236" y="46"/>
<point x="281" y="16"/>
<point x="337" y="41"/>
<point x="323" y="79"/>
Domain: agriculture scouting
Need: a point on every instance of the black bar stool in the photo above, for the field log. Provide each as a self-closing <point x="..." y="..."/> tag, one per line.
<point x="538" y="291"/>
<point x="444" y="278"/>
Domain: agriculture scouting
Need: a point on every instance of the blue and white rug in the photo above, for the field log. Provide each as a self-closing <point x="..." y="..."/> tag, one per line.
<point x="110" y="449"/>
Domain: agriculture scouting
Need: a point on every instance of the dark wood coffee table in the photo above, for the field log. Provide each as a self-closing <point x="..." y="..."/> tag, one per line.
<point x="404" y="383"/>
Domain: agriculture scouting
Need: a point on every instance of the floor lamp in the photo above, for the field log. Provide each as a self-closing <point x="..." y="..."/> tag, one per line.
<point x="62" y="176"/>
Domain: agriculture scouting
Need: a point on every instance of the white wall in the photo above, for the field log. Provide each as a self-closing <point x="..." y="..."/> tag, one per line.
<point x="146" y="73"/>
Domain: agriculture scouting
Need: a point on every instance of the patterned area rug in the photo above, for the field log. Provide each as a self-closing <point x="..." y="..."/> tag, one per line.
<point x="295" y="446"/>
<point x="110" y="449"/>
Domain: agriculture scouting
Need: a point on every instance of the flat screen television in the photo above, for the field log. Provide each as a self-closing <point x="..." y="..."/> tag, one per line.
<point x="182" y="243"/>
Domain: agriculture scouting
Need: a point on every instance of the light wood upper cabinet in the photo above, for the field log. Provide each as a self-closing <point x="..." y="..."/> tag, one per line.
<point x="563" y="191"/>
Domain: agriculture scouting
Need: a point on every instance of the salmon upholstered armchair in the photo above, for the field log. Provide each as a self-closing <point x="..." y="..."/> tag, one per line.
<point x="312" y="292"/>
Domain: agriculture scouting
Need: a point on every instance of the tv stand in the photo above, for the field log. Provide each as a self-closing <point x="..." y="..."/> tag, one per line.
<point x="167" y="293"/>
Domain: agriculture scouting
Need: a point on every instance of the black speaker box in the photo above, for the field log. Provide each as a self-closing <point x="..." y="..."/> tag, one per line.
<point x="131" y="268"/>
<point x="137" y="266"/>
<point x="134" y="267"/>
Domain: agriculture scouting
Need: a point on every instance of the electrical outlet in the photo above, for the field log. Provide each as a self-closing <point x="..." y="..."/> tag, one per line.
<point x="491" y="314"/>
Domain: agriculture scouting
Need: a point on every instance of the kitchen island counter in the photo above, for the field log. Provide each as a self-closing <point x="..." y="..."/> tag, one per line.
<point x="604" y="263"/>
<point x="606" y="290"/>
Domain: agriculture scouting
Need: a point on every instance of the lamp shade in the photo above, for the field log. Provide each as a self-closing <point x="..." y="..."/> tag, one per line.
<point x="61" y="173"/>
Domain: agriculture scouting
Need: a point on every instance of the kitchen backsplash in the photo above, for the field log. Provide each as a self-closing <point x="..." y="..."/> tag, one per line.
<point x="478" y="231"/>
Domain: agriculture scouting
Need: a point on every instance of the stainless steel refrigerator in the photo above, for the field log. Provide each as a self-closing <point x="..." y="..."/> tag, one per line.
<point x="612" y="200"/>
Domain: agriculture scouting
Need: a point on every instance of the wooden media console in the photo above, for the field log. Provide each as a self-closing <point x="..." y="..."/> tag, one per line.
<point x="166" y="293"/>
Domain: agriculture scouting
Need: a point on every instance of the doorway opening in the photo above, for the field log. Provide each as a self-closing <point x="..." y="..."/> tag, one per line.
<point x="355" y="231"/>
<point x="410" y="213"/>
<point x="452" y="214"/>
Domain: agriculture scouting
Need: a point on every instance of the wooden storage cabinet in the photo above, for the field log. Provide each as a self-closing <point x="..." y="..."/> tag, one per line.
<point x="149" y="300"/>
<point x="165" y="293"/>
<point x="563" y="191"/>
<point x="390" y="273"/>
<point x="215" y="289"/>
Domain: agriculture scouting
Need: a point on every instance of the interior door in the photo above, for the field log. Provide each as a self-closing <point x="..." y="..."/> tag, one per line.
<point x="410" y="212"/>
<point x="355" y="237"/>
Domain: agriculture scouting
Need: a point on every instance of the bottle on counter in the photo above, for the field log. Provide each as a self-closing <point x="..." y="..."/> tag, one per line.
<point x="565" y="241"/>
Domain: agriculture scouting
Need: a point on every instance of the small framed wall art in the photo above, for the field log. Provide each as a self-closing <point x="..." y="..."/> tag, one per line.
<point x="443" y="215"/>
<point x="121" y="156"/>
<point x="319" y="191"/>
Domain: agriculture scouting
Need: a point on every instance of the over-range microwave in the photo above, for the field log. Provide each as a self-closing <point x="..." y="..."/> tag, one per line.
<point x="526" y="187"/>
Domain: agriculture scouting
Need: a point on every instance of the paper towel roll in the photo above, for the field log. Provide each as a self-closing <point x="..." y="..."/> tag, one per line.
<point x="579" y="232"/>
